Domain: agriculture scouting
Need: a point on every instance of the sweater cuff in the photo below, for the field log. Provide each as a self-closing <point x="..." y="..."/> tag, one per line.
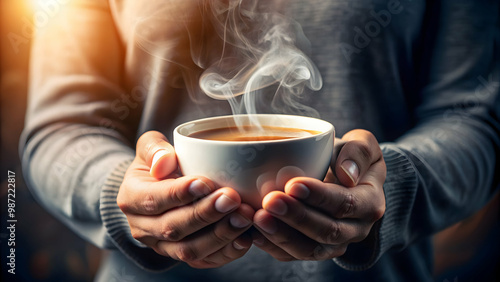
<point x="118" y="229"/>
<point x="388" y="233"/>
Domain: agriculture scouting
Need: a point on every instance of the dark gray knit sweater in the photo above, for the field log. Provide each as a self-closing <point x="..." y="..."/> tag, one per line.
<point x="423" y="76"/>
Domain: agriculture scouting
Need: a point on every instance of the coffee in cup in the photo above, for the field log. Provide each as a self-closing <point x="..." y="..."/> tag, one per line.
<point x="252" y="133"/>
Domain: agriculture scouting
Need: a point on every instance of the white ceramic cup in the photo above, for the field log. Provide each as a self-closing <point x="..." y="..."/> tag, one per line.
<point x="254" y="168"/>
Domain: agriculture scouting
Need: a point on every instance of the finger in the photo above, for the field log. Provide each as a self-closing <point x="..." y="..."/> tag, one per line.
<point x="157" y="153"/>
<point x="228" y="253"/>
<point x="157" y="197"/>
<point x="330" y="177"/>
<point x="262" y="243"/>
<point x="320" y="252"/>
<point x="211" y="239"/>
<point x="360" y="202"/>
<point x="286" y="238"/>
<point x="176" y="224"/>
<point x="312" y="223"/>
<point x="269" y="181"/>
<point x="375" y="176"/>
<point x="360" y="151"/>
<point x="337" y="146"/>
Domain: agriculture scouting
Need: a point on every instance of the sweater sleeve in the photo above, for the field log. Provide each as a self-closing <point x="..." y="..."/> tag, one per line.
<point x="443" y="170"/>
<point x="81" y="126"/>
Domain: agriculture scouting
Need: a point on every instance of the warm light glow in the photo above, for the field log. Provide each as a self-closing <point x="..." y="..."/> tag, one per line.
<point x="48" y="6"/>
<point x="44" y="11"/>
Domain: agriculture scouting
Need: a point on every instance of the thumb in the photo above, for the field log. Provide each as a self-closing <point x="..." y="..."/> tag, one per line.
<point x="356" y="156"/>
<point x="154" y="149"/>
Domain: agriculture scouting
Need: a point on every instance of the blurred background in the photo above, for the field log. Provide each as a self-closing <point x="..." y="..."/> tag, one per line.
<point x="48" y="251"/>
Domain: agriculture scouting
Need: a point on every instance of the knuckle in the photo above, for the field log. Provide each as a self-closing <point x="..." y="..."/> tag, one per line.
<point x="186" y="253"/>
<point x="323" y="252"/>
<point x="364" y="151"/>
<point x="144" y="142"/>
<point x="284" y="241"/>
<point x="330" y="233"/>
<point x="379" y="212"/>
<point x="320" y="252"/>
<point x="170" y="234"/>
<point x="300" y="218"/>
<point x="200" y="217"/>
<point x="368" y="135"/>
<point x="222" y="236"/>
<point x="150" y="150"/>
<point x="122" y="203"/>
<point x="324" y="202"/>
<point x="347" y="206"/>
<point x="149" y="204"/>
<point x="124" y="198"/>
<point x="136" y="233"/>
<point x="175" y="195"/>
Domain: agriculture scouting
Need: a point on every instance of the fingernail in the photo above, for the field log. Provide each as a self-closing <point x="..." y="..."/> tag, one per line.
<point x="258" y="242"/>
<point x="277" y="207"/>
<point x="224" y="204"/>
<point x="237" y="246"/>
<point x="268" y="225"/>
<point x="238" y="221"/>
<point x="351" y="169"/>
<point x="198" y="188"/>
<point x="299" y="190"/>
<point x="157" y="156"/>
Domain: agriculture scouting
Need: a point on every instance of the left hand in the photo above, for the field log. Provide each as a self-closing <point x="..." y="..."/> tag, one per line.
<point x="315" y="220"/>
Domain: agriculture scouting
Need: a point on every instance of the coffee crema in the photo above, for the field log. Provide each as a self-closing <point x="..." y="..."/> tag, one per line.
<point x="252" y="133"/>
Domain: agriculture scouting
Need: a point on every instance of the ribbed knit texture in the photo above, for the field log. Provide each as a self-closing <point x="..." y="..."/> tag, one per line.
<point x="118" y="228"/>
<point x="400" y="188"/>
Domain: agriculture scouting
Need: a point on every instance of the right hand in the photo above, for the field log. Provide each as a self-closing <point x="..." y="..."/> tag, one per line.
<point x="184" y="218"/>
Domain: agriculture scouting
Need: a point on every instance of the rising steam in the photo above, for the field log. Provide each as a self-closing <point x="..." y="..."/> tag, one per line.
<point x="244" y="51"/>
<point x="262" y="53"/>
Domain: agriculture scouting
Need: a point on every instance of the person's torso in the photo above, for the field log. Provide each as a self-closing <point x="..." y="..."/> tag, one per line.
<point x="364" y="51"/>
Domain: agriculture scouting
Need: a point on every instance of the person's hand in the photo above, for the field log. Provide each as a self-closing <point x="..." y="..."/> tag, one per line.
<point x="184" y="218"/>
<point x="315" y="220"/>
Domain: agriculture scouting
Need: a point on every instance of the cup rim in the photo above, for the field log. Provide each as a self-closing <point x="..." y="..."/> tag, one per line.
<point x="177" y="129"/>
